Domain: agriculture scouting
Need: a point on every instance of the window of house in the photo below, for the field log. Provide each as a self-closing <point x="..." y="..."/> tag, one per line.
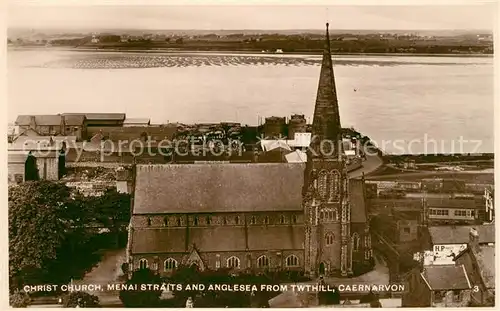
<point x="165" y="221"/>
<point x="51" y="129"/>
<point x="143" y="264"/>
<point x="457" y="297"/>
<point x="282" y="219"/>
<point x="253" y="220"/>
<point x="149" y="221"/>
<point x="179" y="221"/>
<point x="170" y="264"/>
<point x="195" y="221"/>
<point x="329" y="238"/>
<point x="217" y="261"/>
<point x="406" y="230"/>
<point x="233" y="262"/>
<point x="355" y="242"/>
<point x="209" y="220"/>
<point x="294" y="219"/>
<point x="224" y="220"/>
<point x="68" y="128"/>
<point x="237" y="220"/>
<point x="292" y="261"/>
<point x="263" y="261"/>
<point x="266" y="220"/>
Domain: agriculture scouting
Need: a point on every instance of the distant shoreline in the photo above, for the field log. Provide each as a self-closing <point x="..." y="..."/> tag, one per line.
<point x="187" y="51"/>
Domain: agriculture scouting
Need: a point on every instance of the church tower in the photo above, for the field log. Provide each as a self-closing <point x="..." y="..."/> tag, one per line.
<point x="325" y="186"/>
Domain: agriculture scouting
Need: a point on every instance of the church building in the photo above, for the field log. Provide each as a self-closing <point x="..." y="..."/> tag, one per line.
<point x="257" y="216"/>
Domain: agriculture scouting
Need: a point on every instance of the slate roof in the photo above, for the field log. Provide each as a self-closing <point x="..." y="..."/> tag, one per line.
<point x="105" y="116"/>
<point x="460" y="234"/>
<point x="99" y="116"/>
<point x="446" y="277"/>
<point x="136" y="121"/>
<point x="357" y="201"/>
<point x="486" y="261"/>
<point x="275" y="237"/>
<point x="194" y="188"/>
<point x="485" y="258"/>
<point x="24" y="120"/>
<point x="74" y="119"/>
<point x="13" y="158"/>
<point x="216" y="239"/>
<point x="451" y="203"/>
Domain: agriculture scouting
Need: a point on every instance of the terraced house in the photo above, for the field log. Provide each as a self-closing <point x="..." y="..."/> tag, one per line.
<point x="256" y="216"/>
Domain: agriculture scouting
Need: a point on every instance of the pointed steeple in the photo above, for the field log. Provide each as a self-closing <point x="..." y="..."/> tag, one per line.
<point x="326" y="119"/>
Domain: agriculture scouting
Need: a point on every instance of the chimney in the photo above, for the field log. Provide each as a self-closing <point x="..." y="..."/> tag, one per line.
<point x="474" y="239"/>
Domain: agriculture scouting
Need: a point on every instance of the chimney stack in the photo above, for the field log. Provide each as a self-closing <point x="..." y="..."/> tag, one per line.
<point x="474" y="239"/>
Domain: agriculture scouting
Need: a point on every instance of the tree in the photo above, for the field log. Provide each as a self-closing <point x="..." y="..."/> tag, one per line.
<point x="19" y="299"/>
<point x="80" y="299"/>
<point x="112" y="211"/>
<point x="141" y="297"/>
<point x="37" y="228"/>
<point x="30" y="168"/>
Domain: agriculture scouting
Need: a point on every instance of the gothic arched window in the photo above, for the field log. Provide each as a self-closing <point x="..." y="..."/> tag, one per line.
<point x="170" y="264"/>
<point x="233" y="262"/>
<point x="322" y="184"/>
<point x="334" y="185"/>
<point x="329" y="238"/>
<point x="143" y="264"/>
<point x="263" y="261"/>
<point x="355" y="242"/>
<point x="292" y="261"/>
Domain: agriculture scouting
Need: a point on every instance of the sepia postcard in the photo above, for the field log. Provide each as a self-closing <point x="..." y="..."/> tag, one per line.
<point x="250" y="155"/>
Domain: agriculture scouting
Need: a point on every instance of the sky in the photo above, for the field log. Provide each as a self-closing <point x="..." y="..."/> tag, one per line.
<point x="373" y="17"/>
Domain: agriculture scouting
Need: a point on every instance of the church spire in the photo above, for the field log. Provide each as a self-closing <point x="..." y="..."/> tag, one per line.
<point x="326" y="119"/>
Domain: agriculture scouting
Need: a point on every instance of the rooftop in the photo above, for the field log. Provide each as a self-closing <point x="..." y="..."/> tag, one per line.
<point x="193" y="188"/>
<point x="446" y="277"/>
<point x="451" y="203"/>
<point x="460" y="234"/>
<point x="216" y="239"/>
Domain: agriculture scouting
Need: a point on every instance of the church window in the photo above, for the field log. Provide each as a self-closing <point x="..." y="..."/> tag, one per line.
<point x="266" y="220"/>
<point x="165" y="221"/>
<point x="263" y="261"/>
<point x="329" y="237"/>
<point x="143" y="264"/>
<point x="233" y="262"/>
<point x="154" y="266"/>
<point x="217" y="261"/>
<point x="149" y="221"/>
<point x="282" y="219"/>
<point x="355" y="242"/>
<point x="253" y="220"/>
<point x="334" y="185"/>
<point x="209" y="220"/>
<point x="237" y="220"/>
<point x="195" y="220"/>
<point x="170" y="264"/>
<point x="294" y="219"/>
<point x="292" y="261"/>
<point x="322" y="179"/>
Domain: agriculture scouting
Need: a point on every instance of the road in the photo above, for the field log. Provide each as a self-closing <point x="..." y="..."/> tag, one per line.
<point x="370" y="165"/>
<point x="108" y="271"/>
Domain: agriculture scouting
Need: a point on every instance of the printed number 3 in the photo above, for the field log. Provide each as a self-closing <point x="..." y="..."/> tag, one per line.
<point x="475" y="289"/>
